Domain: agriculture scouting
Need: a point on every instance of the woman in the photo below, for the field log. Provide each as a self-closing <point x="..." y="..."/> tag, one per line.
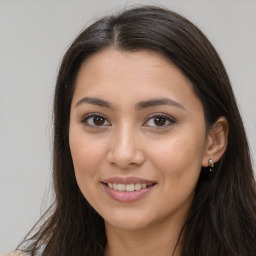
<point x="150" y="152"/>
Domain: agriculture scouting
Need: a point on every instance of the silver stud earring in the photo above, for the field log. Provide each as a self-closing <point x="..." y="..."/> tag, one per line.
<point x="211" y="164"/>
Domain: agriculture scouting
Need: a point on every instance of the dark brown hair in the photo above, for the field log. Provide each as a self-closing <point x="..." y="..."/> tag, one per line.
<point x="222" y="220"/>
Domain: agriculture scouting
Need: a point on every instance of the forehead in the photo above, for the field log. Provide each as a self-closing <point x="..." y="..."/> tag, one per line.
<point x="109" y="62"/>
<point x="138" y="75"/>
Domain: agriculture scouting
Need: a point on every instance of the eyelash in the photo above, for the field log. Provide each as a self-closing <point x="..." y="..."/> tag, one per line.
<point x="94" y="115"/>
<point x="165" y="117"/>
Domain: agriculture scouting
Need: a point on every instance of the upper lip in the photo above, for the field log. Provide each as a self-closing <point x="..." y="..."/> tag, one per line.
<point x="128" y="180"/>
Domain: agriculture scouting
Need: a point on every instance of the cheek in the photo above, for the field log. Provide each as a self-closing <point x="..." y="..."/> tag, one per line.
<point x="178" y="163"/>
<point x="87" y="155"/>
<point x="179" y="157"/>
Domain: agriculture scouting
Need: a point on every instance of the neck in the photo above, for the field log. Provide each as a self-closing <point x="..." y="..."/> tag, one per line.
<point x="158" y="240"/>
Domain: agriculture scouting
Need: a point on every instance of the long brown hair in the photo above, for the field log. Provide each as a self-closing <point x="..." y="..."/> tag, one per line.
<point x="222" y="220"/>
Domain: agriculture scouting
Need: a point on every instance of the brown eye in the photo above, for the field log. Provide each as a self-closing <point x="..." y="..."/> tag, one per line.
<point x="98" y="120"/>
<point x="95" y="121"/>
<point x="160" y="121"/>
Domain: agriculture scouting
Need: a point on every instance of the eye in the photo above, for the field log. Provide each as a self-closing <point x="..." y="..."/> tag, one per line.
<point x="159" y="120"/>
<point x="95" y="120"/>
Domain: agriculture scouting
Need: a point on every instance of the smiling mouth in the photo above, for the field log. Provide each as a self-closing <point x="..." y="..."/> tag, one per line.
<point x="128" y="187"/>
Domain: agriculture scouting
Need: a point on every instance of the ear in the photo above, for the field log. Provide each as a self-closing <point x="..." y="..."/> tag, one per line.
<point x="216" y="142"/>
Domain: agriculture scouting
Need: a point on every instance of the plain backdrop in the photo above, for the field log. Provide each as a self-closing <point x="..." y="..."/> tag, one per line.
<point x="33" y="38"/>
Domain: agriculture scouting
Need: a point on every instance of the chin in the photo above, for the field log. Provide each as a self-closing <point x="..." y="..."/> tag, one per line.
<point x="128" y="221"/>
<point x="131" y="225"/>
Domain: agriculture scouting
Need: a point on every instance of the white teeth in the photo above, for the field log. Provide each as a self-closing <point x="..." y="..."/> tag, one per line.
<point x="138" y="186"/>
<point x="121" y="187"/>
<point x="127" y="187"/>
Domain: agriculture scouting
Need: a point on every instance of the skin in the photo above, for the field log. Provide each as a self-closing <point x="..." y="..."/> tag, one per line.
<point x="127" y="141"/>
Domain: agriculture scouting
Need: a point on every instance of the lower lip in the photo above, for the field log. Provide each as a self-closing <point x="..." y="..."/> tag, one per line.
<point x="125" y="196"/>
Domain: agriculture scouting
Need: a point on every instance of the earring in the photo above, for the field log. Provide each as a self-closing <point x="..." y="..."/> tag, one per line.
<point x="211" y="164"/>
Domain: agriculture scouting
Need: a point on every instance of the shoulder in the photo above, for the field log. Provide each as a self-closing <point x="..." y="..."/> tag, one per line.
<point x="16" y="253"/>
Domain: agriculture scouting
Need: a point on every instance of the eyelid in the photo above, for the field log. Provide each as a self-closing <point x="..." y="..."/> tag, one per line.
<point x="170" y="119"/>
<point x="93" y="114"/>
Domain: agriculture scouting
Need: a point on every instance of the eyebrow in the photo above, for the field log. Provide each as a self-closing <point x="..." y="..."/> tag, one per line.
<point x="158" y="102"/>
<point x="141" y="105"/>
<point x="94" y="101"/>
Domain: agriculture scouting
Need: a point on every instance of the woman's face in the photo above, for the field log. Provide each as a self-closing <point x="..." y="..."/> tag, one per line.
<point x="137" y="138"/>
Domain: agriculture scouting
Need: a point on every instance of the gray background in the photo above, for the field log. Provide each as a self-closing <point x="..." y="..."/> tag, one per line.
<point x="34" y="36"/>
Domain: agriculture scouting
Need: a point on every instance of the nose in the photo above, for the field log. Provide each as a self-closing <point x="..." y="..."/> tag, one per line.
<point x="125" y="150"/>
